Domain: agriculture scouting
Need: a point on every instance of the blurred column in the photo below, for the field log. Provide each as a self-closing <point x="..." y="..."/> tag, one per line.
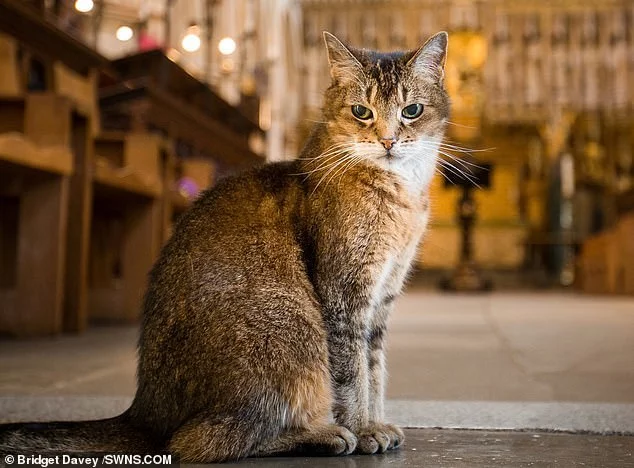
<point x="276" y="82"/>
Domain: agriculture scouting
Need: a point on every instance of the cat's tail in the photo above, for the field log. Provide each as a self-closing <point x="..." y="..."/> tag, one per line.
<point x="114" y="435"/>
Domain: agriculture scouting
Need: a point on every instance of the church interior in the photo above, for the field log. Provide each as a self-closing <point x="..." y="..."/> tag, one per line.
<point x="519" y="315"/>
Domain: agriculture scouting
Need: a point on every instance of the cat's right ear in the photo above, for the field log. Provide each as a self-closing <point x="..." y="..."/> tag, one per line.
<point x="430" y="59"/>
<point x="344" y="66"/>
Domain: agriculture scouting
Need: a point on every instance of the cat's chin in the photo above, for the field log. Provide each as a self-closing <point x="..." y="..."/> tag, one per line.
<point x="390" y="156"/>
<point x="416" y="173"/>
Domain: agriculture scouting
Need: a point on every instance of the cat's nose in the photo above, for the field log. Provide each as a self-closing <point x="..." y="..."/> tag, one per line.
<point x="387" y="142"/>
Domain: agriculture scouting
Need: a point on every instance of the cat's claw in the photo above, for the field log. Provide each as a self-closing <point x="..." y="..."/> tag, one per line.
<point x="379" y="437"/>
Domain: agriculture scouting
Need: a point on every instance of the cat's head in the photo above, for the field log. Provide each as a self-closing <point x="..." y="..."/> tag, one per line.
<point x="389" y="108"/>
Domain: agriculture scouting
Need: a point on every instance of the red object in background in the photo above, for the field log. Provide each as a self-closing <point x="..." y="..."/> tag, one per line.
<point x="147" y="42"/>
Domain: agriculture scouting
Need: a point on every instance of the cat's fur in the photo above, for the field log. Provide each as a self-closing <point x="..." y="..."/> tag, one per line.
<point x="265" y="314"/>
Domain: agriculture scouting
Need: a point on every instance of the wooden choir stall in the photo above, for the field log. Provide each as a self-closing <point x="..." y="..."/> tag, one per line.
<point x="97" y="159"/>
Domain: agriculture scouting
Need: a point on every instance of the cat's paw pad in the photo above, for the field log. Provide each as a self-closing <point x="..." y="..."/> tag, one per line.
<point x="379" y="437"/>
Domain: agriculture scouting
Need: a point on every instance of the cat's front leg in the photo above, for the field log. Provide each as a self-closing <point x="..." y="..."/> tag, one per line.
<point x="349" y="370"/>
<point x="387" y="435"/>
<point x="349" y="364"/>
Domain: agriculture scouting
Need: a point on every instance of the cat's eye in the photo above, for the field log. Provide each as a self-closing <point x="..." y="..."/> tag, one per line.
<point x="361" y="112"/>
<point x="413" y="111"/>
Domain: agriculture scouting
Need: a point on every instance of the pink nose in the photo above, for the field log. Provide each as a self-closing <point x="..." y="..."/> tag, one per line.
<point x="387" y="142"/>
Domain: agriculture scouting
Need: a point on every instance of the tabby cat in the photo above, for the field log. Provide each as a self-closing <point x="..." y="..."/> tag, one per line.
<point x="264" y="319"/>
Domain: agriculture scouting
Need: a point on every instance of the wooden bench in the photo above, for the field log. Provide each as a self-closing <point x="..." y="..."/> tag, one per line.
<point x="35" y="168"/>
<point x="36" y="55"/>
<point x="126" y="232"/>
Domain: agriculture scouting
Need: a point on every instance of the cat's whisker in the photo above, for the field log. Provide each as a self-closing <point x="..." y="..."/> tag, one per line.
<point x="449" y="147"/>
<point x="454" y="170"/>
<point x="345" y="160"/>
<point x="328" y="156"/>
<point x="461" y="149"/>
<point x="327" y="151"/>
<point x="459" y="125"/>
<point x="338" y="163"/>
<point x="332" y="160"/>
<point x="464" y="150"/>
<point x="345" y="168"/>
<point x="464" y="171"/>
<point x="323" y="154"/>
<point x="455" y="158"/>
<point x="464" y="164"/>
<point x="455" y="145"/>
<point x="355" y="162"/>
<point x="334" y="152"/>
<point x="444" y="175"/>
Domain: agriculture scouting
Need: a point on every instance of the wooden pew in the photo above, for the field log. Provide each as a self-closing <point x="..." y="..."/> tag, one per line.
<point x="35" y="168"/>
<point x="162" y="98"/>
<point x="38" y="58"/>
<point x="126" y="230"/>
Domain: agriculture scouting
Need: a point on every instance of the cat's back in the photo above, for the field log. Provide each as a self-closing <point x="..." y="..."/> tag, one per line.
<point x="246" y="221"/>
<point x="250" y="200"/>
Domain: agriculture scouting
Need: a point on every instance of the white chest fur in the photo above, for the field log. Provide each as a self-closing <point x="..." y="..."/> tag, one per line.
<point x="393" y="271"/>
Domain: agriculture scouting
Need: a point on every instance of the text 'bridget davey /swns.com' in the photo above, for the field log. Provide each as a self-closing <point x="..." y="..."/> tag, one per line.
<point x="90" y="460"/>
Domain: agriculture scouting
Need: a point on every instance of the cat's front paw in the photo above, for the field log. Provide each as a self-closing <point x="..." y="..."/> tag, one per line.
<point x="379" y="437"/>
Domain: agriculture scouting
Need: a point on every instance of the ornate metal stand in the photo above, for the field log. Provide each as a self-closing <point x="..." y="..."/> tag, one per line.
<point x="466" y="277"/>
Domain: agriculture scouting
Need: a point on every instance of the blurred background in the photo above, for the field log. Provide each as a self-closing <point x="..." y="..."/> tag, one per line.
<point x="115" y="114"/>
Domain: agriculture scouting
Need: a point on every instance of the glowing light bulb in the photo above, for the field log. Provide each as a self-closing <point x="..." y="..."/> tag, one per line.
<point x="191" y="41"/>
<point x="124" y="33"/>
<point x="84" y="6"/>
<point x="227" y="46"/>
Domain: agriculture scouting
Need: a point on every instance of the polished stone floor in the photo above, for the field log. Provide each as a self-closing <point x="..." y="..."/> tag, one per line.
<point x="429" y="448"/>
<point x="500" y="347"/>
<point x="514" y="361"/>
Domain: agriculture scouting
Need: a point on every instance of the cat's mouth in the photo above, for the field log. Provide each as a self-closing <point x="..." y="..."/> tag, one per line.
<point x="390" y="155"/>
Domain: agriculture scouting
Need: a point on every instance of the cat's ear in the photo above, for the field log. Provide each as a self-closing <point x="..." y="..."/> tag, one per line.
<point x="429" y="60"/>
<point x="344" y="65"/>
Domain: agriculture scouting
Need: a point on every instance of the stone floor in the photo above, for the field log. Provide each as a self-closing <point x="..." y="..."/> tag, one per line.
<point x="514" y="361"/>
<point x="500" y="347"/>
<point x="431" y="448"/>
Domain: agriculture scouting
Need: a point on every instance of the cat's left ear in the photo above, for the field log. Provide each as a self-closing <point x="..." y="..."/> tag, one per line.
<point x="429" y="60"/>
<point x="344" y="65"/>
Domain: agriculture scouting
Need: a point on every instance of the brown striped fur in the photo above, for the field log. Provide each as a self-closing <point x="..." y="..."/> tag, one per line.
<point x="265" y="316"/>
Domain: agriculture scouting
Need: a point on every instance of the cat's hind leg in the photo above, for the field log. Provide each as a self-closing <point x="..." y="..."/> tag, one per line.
<point x="323" y="440"/>
<point x="212" y="439"/>
<point x="302" y="399"/>
<point x="306" y="430"/>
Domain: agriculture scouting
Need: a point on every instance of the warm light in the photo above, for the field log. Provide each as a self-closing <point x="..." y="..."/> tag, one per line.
<point x="124" y="33"/>
<point x="84" y="6"/>
<point x="227" y="46"/>
<point x="191" y="40"/>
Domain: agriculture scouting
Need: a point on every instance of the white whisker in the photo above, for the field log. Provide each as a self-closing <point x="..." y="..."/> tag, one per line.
<point x="454" y="170"/>
<point x="444" y="175"/>
<point x="459" y="125"/>
<point x="332" y="159"/>
<point x="339" y="162"/>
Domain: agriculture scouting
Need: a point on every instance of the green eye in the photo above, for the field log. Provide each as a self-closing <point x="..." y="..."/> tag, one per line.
<point x="361" y="112"/>
<point x="413" y="111"/>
